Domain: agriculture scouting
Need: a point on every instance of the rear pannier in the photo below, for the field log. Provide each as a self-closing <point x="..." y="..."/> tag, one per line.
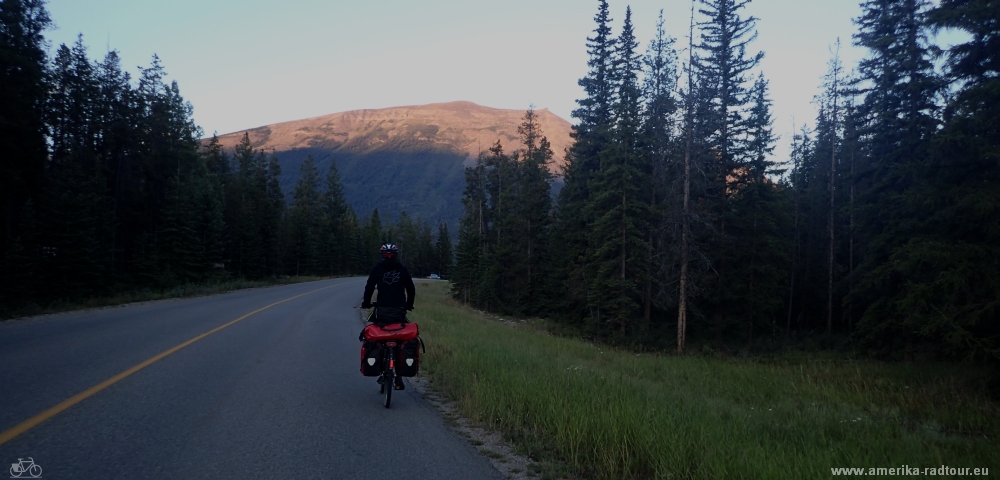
<point x="371" y="359"/>
<point x="409" y="358"/>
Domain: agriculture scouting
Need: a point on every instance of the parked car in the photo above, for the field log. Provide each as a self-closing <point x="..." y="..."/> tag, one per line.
<point x="434" y="276"/>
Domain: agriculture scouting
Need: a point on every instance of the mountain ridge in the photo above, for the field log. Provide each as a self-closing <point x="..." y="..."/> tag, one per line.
<point x="422" y="123"/>
<point x="410" y="158"/>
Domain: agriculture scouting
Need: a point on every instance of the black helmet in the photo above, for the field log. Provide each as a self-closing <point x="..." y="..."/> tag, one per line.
<point x="388" y="251"/>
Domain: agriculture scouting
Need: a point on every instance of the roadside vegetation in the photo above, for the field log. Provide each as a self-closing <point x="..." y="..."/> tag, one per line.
<point x="147" y="294"/>
<point x="590" y="411"/>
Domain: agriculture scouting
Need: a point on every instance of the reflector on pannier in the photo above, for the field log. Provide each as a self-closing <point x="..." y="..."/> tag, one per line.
<point x="371" y="359"/>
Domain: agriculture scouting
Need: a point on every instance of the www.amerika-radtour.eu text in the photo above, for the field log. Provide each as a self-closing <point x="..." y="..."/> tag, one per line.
<point x="904" y="470"/>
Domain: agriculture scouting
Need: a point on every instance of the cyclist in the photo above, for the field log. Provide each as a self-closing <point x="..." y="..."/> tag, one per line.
<point x="395" y="291"/>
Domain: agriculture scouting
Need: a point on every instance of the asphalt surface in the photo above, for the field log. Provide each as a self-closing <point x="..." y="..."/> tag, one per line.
<point x="276" y="395"/>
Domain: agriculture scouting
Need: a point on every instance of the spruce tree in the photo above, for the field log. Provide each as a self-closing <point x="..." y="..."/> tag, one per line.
<point x="952" y="293"/>
<point x="618" y="203"/>
<point x="900" y="118"/>
<point x="659" y="136"/>
<point x="471" y="257"/>
<point x="759" y="225"/>
<point x="534" y="206"/>
<point x="336" y="244"/>
<point x="23" y="95"/>
<point x="723" y="69"/>
<point x="590" y="136"/>
<point x="304" y="221"/>
<point x="444" y="255"/>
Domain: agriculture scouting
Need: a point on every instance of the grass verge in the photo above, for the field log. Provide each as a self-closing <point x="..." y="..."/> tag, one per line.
<point x="145" y="295"/>
<point x="606" y="413"/>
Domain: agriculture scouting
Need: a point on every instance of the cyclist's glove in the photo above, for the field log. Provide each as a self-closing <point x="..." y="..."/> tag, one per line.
<point x="366" y="304"/>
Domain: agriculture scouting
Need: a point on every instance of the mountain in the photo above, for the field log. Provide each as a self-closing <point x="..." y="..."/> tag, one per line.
<point x="401" y="158"/>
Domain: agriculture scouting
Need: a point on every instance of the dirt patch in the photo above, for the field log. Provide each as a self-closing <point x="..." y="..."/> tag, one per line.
<point x="490" y="444"/>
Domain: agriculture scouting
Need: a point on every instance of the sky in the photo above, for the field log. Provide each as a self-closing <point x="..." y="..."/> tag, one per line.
<point x="248" y="63"/>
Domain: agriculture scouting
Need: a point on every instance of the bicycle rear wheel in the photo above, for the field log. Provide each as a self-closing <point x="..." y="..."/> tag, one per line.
<point x="388" y="389"/>
<point x="387" y="383"/>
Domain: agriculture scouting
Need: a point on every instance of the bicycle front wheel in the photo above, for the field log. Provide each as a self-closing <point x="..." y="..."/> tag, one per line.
<point x="35" y="471"/>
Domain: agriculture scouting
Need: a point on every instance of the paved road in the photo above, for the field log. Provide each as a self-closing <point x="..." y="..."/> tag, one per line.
<point x="276" y="395"/>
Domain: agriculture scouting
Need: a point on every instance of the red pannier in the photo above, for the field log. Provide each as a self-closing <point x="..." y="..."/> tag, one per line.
<point x="393" y="331"/>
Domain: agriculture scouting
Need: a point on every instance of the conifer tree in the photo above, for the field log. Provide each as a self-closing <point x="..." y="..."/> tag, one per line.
<point x="760" y="225"/>
<point x="470" y="254"/>
<point x="23" y="96"/>
<point x="336" y="238"/>
<point x="534" y="210"/>
<point x="305" y="222"/>
<point x="618" y="203"/>
<point x="899" y="120"/>
<point x="952" y="293"/>
<point x="590" y="136"/>
<point x="444" y="255"/>
<point x="274" y="211"/>
<point x="374" y="237"/>
<point x="503" y="286"/>
<point x="724" y="98"/>
<point x="659" y="126"/>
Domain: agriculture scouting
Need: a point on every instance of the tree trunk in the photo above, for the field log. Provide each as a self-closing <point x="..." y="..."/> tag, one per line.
<point x="682" y="302"/>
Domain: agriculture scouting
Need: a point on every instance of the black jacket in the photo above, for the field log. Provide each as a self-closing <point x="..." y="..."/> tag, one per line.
<point x="392" y="279"/>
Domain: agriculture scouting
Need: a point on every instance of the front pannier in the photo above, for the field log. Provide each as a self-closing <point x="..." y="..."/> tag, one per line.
<point x="371" y="359"/>
<point x="409" y="359"/>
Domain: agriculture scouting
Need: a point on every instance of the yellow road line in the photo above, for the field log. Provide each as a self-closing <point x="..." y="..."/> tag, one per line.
<point x="30" y="423"/>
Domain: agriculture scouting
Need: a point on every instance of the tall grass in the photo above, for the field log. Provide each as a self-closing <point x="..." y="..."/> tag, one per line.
<point x="147" y="294"/>
<point x="615" y="414"/>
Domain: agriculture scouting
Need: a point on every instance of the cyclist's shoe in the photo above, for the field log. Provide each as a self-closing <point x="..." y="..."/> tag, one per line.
<point x="399" y="384"/>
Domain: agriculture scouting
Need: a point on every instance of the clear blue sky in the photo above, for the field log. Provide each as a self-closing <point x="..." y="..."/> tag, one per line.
<point x="248" y="63"/>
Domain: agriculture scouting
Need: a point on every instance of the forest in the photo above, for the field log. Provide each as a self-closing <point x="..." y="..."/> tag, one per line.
<point x="880" y="233"/>
<point x="106" y="187"/>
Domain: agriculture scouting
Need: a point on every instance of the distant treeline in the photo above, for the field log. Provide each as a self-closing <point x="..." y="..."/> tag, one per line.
<point x="105" y="187"/>
<point x="882" y="229"/>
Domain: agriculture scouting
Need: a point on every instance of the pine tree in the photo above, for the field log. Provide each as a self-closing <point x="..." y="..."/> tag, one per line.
<point x="503" y="286"/>
<point x="683" y="277"/>
<point x="590" y="136"/>
<point x="534" y="210"/>
<point x="374" y="236"/>
<point x="305" y="222"/>
<point x="724" y="97"/>
<point x="116" y="114"/>
<point x="273" y="209"/>
<point x="659" y="143"/>
<point x="468" y="277"/>
<point x="952" y="293"/>
<point x="444" y="256"/>
<point x="336" y="243"/>
<point x="23" y="92"/>
<point x="759" y="224"/>
<point x="899" y="111"/>
<point x="427" y="256"/>
<point x="617" y="244"/>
